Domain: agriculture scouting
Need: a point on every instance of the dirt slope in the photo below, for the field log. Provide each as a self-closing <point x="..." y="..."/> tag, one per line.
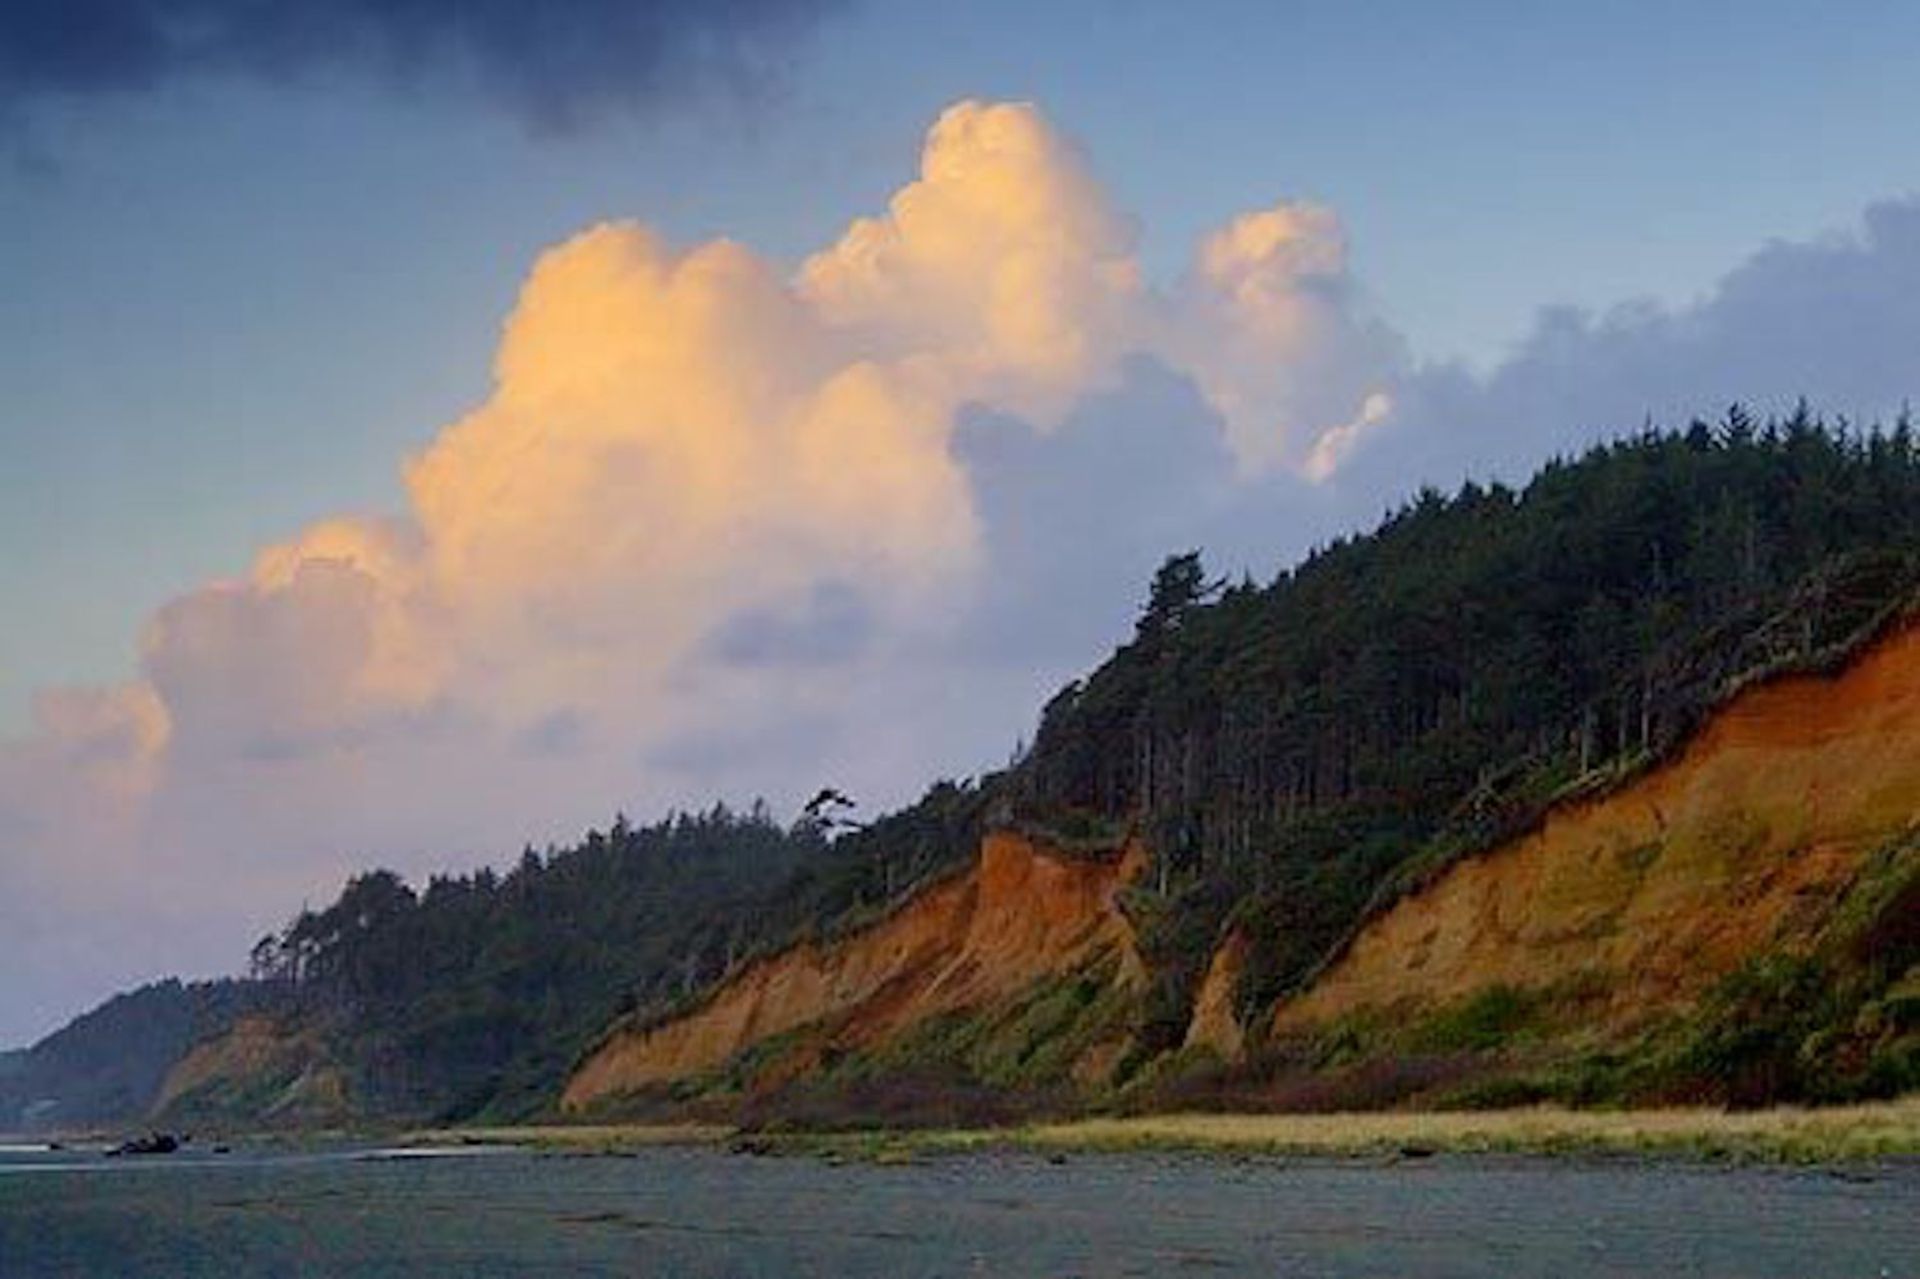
<point x="1744" y="840"/>
<point x="257" y="1071"/>
<point x="1023" y="913"/>
<point x="1214" y="1024"/>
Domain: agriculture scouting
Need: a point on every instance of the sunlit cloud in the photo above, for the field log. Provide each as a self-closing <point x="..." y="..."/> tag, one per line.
<point x="707" y="500"/>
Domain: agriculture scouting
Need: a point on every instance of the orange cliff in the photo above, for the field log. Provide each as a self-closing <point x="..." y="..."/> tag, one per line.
<point x="1023" y="913"/>
<point x="257" y="1069"/>
<point x="1214" y="1025"/>
<point x="1742" y="842"/>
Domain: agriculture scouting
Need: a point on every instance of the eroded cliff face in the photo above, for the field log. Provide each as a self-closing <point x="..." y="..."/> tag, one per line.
<point x="1743" y="842"/>
<point x="1025" y="912"/>
<point x="1215" y="1024"/>
<point x="259" y="1070"/>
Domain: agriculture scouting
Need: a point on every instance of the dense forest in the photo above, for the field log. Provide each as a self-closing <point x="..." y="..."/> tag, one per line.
<point x="473" y="995"/>
<point x="1294" y="753"/>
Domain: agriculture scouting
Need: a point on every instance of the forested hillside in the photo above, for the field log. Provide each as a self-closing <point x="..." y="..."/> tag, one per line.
<point x="475" y="990"/>
<point x="1294" y="751"/>
<point x="475" y="994"/>
<point x="1292" y="755"/>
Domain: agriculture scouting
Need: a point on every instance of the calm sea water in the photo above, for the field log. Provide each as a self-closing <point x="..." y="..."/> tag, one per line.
<point x="702" y="1212"/>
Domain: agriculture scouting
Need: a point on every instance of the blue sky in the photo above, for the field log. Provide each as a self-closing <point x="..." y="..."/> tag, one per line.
<point x="232" y="305"/>
<point x="228" y="308"/>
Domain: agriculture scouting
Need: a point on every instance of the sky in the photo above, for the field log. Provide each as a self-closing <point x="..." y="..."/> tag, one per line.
<point x="432" y="427"/>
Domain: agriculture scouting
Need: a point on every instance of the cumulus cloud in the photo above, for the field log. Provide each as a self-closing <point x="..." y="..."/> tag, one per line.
<point x="1004" y="258"/>
<point x="1275" y="283"/>
<point x="719" y="528"/>
<point x="715" y="527"/>
<point x="557" y="64"/>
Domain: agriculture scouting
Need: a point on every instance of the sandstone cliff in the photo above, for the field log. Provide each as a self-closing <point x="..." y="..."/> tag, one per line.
<point x="1620" y="910"/>
<point x="259" y="1071"/>
<point x="1023" y="914"/>
<point x="1745" y="841"/>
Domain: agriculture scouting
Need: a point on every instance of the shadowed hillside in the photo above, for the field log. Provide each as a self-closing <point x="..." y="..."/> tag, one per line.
<point x="108" y="1064"/>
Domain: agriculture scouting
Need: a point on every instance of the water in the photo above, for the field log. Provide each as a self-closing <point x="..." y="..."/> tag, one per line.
<point x="703" y="1212"/>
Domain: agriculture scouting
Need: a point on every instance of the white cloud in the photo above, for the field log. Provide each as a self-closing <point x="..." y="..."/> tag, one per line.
<point x="1270" y="325"/>
<point x="712" y="531"/>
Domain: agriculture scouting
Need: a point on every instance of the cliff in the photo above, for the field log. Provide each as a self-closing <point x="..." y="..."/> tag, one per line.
<point x="1215" y="1026"/>
<point x="1745" y="841"/>
<point x="1784" y="827"/>
<point x="260" y="1070"/>
<point x="1355" y="784"/>
<point x="1023" y="914"/>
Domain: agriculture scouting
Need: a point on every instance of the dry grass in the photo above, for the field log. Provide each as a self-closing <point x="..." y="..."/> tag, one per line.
<point x="1838" y="1134"/>
<point x="1842" y="1133"/>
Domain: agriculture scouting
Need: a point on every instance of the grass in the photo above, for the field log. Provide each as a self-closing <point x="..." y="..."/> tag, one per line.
<point x="1832" y="1135"/>
<point x="1839" y="1134"/>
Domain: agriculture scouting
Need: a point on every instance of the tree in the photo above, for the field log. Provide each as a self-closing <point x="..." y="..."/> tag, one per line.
<point x="829" y="811"/>
<point x="1179" y="586"/>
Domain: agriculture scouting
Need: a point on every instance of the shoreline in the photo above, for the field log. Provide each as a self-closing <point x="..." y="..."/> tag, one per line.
<point x="1865" y="1133"/>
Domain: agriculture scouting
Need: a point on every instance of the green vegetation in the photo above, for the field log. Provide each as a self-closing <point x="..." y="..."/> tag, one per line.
<point x="1836" y="1023"/>
<point x="1483" y="1022"/>
<point x="1303" y="752"/>
<point x="473" y="998"/>
<point x="1839" y="1024"/>
<point x="968" y="1068"/>
<point x="1295" y="755"/>
<point x="1033" y="1042"/>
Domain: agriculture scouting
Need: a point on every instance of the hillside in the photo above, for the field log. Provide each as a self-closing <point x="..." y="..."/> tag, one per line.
<point x="1428" y="688"/>
<point x="1023" y="918"/>
<point x="471" y="996"/>
<point x="1739" y="923"/>
<point x="1405" y="707"/>
<point x="108" y="1064"/>
<point x="1763" y="887"/>
<point x="1296" y="770"/>
<point x="1747" y="838"/>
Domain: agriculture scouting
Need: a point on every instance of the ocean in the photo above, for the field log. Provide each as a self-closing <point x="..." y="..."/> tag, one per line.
<point x="702" y="1211"/>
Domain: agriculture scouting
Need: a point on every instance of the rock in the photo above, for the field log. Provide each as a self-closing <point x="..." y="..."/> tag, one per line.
<point x="155" y="1143"/>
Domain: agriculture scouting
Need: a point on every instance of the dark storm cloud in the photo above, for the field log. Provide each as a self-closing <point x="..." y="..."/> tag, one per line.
<point x="557" y="64"/>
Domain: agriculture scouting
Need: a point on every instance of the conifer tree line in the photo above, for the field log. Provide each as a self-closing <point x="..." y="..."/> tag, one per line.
<point x="1292" y="752"/>
<point x="1288" y="748"/>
